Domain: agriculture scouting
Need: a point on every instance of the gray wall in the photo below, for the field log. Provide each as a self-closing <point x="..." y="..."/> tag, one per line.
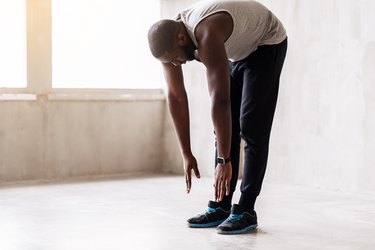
<point x="324" y="128"/>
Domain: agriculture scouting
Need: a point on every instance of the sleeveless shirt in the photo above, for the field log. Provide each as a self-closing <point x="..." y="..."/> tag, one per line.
<point x="253" y="25"/>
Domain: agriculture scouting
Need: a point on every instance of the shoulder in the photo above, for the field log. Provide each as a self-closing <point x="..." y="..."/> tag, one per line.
<point x="218" y="26"/>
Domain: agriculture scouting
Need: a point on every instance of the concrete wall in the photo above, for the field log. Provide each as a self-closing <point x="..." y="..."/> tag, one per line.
<point x="57" y="139"/>
<point x="51" y="134"/>
<point x="324" y="128"/>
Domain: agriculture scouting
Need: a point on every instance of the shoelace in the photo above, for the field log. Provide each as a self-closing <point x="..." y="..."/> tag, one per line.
<point x="234" y="217"/>
<point x="211" y="210"/>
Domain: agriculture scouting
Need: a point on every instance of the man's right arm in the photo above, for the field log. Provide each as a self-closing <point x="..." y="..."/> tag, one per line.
<point x="178" y="106"/>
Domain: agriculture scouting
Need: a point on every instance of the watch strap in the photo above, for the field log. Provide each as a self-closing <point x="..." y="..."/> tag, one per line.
<point x="223" y="160"/>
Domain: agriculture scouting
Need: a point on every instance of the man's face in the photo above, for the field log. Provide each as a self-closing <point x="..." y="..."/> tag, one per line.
<point x="178" y="55"/>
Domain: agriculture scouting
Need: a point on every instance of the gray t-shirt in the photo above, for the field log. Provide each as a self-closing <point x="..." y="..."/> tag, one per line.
<point x="254" y="25"/>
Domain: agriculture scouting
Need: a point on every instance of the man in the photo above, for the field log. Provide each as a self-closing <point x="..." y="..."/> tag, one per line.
<point x="243" y="47"/>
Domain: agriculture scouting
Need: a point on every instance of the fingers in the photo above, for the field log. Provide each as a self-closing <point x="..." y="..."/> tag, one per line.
<point x="216" y="190"/>
<point x="222" y="190"/>
<point x="227" y="187"/>
<point x="222" y="187"/>
<point x="188" y="180"/>
<point x="190" y="164"/>
<point x="188" y="177"/>
<point x="219" y="190"/>
<point x="196" y="172"/>
<point x="222" y="182"/>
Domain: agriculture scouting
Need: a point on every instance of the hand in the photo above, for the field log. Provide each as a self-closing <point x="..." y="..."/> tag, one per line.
<point x="223" y="175"/>
<point x="190" y="163"/>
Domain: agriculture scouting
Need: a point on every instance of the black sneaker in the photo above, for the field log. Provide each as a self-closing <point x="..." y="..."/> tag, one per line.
<point x="238" y="222"/>
<point x="213" y="217"/>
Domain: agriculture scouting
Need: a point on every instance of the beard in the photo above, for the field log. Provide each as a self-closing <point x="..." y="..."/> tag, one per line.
<point x="189" y="53"/>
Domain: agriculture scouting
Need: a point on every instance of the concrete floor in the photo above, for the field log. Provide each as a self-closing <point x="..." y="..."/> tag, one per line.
<point x="151" y="212"/>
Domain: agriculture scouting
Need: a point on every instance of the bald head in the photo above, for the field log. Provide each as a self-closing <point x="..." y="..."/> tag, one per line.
<point x="162" y="36"/>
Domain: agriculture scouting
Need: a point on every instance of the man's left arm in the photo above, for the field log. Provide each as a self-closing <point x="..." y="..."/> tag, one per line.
<point x="213" y="55"/>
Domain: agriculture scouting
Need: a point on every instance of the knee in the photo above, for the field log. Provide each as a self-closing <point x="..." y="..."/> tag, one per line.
<point x="254" y="138"/>
<point x="254" y="132"/>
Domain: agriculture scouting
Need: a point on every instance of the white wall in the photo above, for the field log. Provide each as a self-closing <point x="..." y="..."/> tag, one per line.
<point x="324" y="133"/>
<point x="324" y="128"/>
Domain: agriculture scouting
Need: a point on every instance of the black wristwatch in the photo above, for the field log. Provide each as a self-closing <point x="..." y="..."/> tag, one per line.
<point x="222" y="160"/>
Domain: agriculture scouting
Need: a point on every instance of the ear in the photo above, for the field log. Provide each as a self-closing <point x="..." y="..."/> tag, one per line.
<point x="181" y="39"/>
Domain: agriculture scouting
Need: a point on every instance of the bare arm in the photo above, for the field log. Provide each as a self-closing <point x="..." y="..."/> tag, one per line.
<point x="217" y="70"/>
<point x="178" y="106"/>
<point x="211" y="35"/>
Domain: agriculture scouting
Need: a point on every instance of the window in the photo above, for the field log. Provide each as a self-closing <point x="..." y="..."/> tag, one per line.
<point x="13" y="43"/>
<point x="103" y="44"/>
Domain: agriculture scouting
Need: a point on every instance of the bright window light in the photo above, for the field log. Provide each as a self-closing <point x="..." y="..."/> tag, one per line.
<point x="13" y="43"/>
<point x="103" y="44"/>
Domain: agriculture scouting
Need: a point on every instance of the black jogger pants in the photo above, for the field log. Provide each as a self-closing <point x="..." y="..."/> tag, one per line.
<point x="254" y="91"/>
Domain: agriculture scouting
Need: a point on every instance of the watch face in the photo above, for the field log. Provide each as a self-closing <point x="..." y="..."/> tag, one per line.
<point x="220" y="160"/>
